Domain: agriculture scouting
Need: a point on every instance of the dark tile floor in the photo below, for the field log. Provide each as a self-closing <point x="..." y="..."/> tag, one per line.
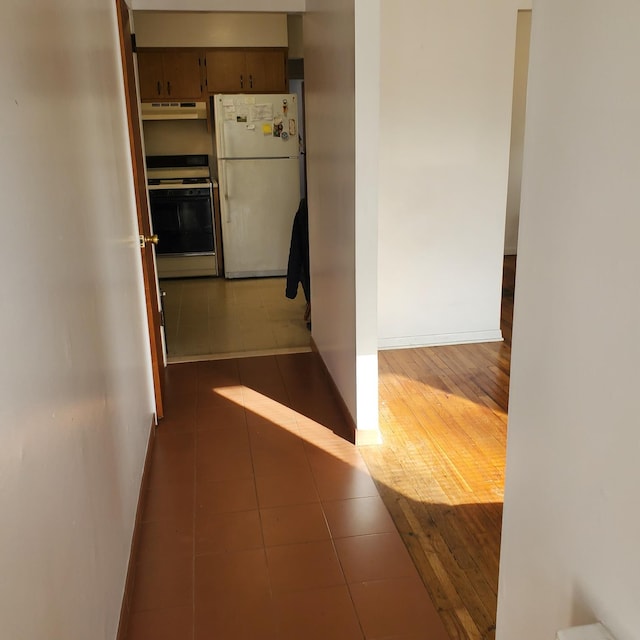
<point x="260" y="522"/>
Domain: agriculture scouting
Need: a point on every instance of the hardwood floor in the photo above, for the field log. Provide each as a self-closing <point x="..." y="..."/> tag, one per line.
<point x="440" y="470"/>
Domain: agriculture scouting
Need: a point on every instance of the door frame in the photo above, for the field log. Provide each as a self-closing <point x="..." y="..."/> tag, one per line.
<point x="149" y="275"/>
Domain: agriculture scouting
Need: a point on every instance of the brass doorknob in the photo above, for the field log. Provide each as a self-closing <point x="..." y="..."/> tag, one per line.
<point x="152" y="239"/>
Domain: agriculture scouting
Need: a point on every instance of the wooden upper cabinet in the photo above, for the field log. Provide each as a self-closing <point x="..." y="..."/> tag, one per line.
<point x="267" y="71"/>
<point x="226" y="71"/>
<point x="150" y="75"/>
<point x="246" y="71"/>
<point x="170" y="75"/>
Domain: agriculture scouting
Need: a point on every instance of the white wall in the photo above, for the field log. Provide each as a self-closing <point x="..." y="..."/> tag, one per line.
<point x="75" y="386"/>
<point x="176" y="137"/>
<point x="518" y="118"/>
<point x="258" y="6"/>
<point x="367" y="141"/>
<point x="184" y="29"/>
<point x="295" y="34"/>
<point x="341" y="80"/>
<point x="329" y="52"/>
<point x="571" y="521"/>
<point x="446" y="94"/>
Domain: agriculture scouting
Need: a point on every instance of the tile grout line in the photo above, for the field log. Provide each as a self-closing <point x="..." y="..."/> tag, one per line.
<point x="258" y="507"/>
<point x="322" y="507"/>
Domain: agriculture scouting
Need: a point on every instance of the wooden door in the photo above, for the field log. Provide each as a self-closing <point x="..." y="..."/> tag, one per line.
<point x="226" y="71"/>
<point x="182" y="76"/>
<point x="151" y="75"/>
<point x="140" y="187"/>
<point x="266" y="71"/>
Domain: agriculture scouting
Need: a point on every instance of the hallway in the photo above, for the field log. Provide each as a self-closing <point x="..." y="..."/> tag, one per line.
<point x="260" y="522"/>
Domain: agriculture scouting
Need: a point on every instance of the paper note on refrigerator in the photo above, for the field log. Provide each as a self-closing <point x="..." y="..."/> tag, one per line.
<point x="266" y="129"/>
<point x="261" y="112"/>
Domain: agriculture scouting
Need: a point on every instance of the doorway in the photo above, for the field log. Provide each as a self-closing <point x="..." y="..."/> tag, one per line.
<point x="214" y="317"/>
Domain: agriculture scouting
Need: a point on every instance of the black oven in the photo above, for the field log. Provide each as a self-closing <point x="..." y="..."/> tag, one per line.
<point x="182" y="218"/>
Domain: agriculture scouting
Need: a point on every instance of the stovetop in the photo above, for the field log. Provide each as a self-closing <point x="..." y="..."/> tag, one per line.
<point x="178" y="170"/>
<point x="177" y="180"/>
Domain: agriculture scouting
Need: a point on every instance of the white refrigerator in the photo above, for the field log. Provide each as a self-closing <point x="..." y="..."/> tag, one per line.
<point x="259" y="178"/>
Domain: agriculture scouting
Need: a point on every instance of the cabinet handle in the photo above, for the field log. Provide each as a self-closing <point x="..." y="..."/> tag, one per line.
<point x="241" y="81"/>
<point x="169" y="87"/>
<point x="159" y="87"/>
<point x="251" y="81"/>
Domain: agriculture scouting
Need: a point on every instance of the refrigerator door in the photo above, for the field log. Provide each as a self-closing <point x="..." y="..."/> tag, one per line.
<point x="258" y="201"/>
<point x="256" y="126"/>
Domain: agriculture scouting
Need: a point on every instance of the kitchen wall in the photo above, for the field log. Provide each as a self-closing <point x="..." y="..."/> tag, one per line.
<point x="76" y="397"/>
<point x="184" y="29"/>
<point x="571" y="524"/>
<point x="295" y="36"/>
<point x="256" y="6"/>
<point x="446" y="96"/>
<point x="169" y="137"/>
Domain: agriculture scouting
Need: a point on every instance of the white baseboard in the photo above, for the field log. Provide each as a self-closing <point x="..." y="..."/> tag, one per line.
<point x="442" y="339"/>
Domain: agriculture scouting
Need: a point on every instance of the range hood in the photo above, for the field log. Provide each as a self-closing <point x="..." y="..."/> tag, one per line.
<point x="174" y="110"/>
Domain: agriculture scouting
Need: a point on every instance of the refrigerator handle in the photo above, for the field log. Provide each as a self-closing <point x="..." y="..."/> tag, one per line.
<point x="219" y="124"/>
<point x="225" y="192"/>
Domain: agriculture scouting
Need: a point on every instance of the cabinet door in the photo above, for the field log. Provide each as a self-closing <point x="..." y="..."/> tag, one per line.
<point x="266" y="71"/>
<point x="182" y="75"/>
<point x="151" y="77"/>
<point x="226" y="72"/>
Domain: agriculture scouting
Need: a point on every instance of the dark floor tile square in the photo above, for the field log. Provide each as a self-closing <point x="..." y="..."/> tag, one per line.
<point x="163" y="583"/>
<point x="165" y="538"/>
<point x="294" y="524"/>
<point x="161" y="624"/>
<point x="224" y="574"/>
<point x="174" y="502"/>
<point x="236" y="531"/>
<point x="317" y="614"/>
<point x="224" y="466"/>
<point x="229" y="617"/>
<point x="286" y="488"/>
<point x="374" y="557"/>
<point x="396" y="608"/>
<point x="358" y="517"/>
<point x="225" y="496"/>
<point x="310" y="565"/>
